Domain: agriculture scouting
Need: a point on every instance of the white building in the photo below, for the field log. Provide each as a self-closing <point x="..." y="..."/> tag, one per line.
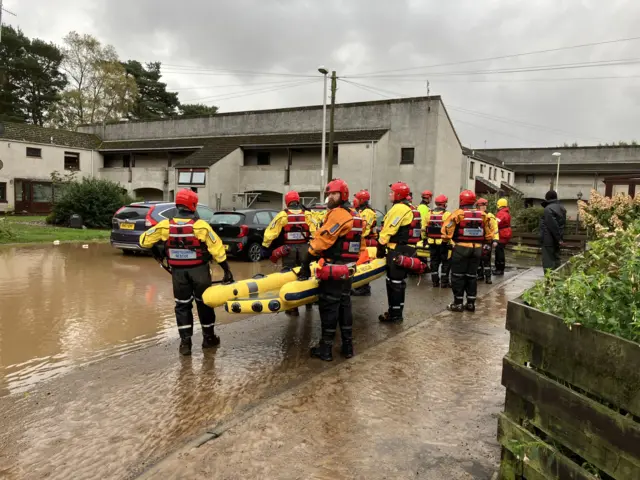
<point x="28" y="156"/>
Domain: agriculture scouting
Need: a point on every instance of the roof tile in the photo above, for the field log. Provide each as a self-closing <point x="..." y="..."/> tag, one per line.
<point x="24" y="132"/>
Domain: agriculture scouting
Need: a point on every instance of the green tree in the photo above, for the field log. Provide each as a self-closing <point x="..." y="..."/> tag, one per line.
<point x="153" y="101"/>
<point x="99" y="89"/>
<point x="31" y="77"/>
<point x="195" y="109"/>
<point x="12" y="49"/>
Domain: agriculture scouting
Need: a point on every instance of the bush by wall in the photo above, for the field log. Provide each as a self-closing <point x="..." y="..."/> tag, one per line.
<point x="95" y="200"/>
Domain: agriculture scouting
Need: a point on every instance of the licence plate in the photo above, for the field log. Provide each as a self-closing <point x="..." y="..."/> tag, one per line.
<point x="127" y="226"/>
<point x="295" y="236"/>
<point x="182" y="254"/>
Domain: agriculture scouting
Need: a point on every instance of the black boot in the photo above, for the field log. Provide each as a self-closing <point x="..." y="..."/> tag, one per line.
<point x="364" y="291"/>
<point x="455" y="307"/>
<point x="470" y="307"/>
<point x="185" y="346"/>
<point x="498" y="272"/>
<point x="293" y="312"/>
<point x="323" y="351"/>
<point x="309" y="306"/>
<point x="445" y="282"/>
<point x="385" y="318"/>
<point x="436" y="281"/>
<point x="210" y="341"/>
<point x="347" y="348"/>
<point x="488" y="280"/>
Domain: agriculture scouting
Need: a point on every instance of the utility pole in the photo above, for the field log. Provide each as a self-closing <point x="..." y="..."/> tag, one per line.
<point x="3" y="10"/>
<point x="331" y="126"/>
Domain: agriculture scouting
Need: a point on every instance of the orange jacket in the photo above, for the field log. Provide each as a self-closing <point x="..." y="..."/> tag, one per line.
<point x="449" y="227"/>
<point x="337" y="223"/>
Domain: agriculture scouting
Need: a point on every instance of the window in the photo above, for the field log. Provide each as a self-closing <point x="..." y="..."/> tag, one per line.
<point x="490" y="170"/>
<point x="34" y="152"/>
<point x="3" y="192"/>
<point x="71" y="161"/>
<point x="530" y="179"/>
<point x="509" y="177"/>
<point x="495" y="173"/>
<point x="205" y="213"/>
<point x="263" y="218"/>
<point x="126" y="161"/>
<point x="169" y="213"/>
<point x="264" y="158"/>
<point x="502" y="173"/>
<point x="471" y="165"/>
<point x="191" y="177"/>
<point x="42" y="192"/>
<point x="406" y="156"/>
<point x="482" y="168"/>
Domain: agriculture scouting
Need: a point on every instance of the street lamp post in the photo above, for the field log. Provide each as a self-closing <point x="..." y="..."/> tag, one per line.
<point x="557" y="155"/>
<point x="324" y="72"/>
<point x="578" y="214"/>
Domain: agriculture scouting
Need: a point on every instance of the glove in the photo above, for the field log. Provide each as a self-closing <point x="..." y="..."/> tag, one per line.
<point x="381" y="251"/>
<point x="228" y="276"/>
<point x="265" y="252"/>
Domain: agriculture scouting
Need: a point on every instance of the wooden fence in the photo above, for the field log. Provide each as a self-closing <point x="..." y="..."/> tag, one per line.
<point x="532" y="240"/>
<point x="572" y="407"/>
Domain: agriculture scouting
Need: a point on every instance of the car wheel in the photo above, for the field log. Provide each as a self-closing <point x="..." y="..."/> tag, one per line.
<point x="254" y="252"/>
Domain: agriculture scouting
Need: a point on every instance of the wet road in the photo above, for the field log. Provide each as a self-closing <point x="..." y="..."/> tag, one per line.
<point x="421" y="405"/>
<point x="66" y="306"/>
<point x="116" y="417"/>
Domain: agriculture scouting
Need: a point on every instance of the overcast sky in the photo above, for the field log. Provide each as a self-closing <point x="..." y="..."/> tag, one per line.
<point x="356" y="37"/>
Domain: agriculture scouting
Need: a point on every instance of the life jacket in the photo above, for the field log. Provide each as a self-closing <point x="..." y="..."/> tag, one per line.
<point x="470" y="228"/>
<point x="373" y="231"/>
<point x="296" y="230"/>
<point x="347" y="248"/>
<point x="183" y="248"/>
<point x="409" y="234"/>
<point x="434" y="228"/>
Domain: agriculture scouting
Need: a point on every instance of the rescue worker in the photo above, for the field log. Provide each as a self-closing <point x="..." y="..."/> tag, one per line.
<point x="338" y="243"/>
<point x="469" y="229"/>
<point x="190" y="244"/>
<point x="292" y="227"/>
<point x="401" y="231"/>
<point x="484" y="269"/>
<point x="424" y="208"/>
<point x="503" y="216"/>
<point x="317" y="214"/>
<point x="370" y="233"/>
<point x="438" y="249"/>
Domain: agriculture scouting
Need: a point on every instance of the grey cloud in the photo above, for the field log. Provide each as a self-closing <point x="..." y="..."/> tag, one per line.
<point x="297" y="35"/>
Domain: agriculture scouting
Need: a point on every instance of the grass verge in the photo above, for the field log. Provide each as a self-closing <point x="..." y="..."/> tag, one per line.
<point x="18" y="230"/>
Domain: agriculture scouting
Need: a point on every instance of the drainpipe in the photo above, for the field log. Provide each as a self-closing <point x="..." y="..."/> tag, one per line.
<point x="373" y="161"/>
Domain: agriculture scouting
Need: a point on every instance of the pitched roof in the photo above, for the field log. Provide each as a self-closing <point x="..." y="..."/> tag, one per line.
<point x="23" y="132"/>
<point x="212" y="149"/>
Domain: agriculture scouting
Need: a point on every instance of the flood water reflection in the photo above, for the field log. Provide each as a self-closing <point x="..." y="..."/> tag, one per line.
<point x="65" y="306"/>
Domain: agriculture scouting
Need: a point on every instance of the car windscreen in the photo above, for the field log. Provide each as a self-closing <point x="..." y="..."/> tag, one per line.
<point x="227" y="219"/>
<point x="132" y="213"/>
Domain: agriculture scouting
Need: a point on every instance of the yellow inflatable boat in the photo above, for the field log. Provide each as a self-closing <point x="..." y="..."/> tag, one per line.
<point x="217" y="295"/>
<point x="297" y="293"/>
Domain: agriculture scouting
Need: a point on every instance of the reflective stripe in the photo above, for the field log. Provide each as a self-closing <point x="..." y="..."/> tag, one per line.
<point x="183" y="301"/>
<point x="297" y="223"/>
<point x="459" y="298"/>
<point x="184" y="327"/>
<point x="472" y="275"/>
<point x="458" y="274"/>
<point x="208" y="325"/>
<point x="183" y="235"/>
<point x="470" y="298"/>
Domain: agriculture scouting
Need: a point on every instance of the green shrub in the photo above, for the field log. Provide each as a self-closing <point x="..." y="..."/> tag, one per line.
<point x="528" y="219"/>
<point x="6" y="231"/>
<point x="95" y="200"/>
<point x="599" y="289"/>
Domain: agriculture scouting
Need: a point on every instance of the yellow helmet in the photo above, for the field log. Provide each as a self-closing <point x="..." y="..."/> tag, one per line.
<point x="502" y="203"/>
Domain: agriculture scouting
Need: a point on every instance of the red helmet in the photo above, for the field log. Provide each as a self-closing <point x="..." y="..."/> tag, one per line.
<point x="400" y="191"/>
<point x="482" y="201"/>
<point x="441" y="200"/>
<point x="291" y="196"/>
<point x="187" y="199"/>
<point x="467" y="197"/>
<point x="356" y="202"/>
<point x="363" y="196"/>
<point x="337" y="185"/>
<point x="427" y="193"/>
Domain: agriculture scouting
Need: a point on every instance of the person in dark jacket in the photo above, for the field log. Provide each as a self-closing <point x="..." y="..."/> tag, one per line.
<point x="552" y="230"/>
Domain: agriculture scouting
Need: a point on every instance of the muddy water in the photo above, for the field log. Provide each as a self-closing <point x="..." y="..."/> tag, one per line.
<point x="65" y="306"/>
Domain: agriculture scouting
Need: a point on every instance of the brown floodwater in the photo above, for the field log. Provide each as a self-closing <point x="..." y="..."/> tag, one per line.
<point x="65" y="306"/>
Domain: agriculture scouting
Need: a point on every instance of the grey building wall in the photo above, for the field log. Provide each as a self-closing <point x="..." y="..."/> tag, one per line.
<point x="570" y="156"/>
